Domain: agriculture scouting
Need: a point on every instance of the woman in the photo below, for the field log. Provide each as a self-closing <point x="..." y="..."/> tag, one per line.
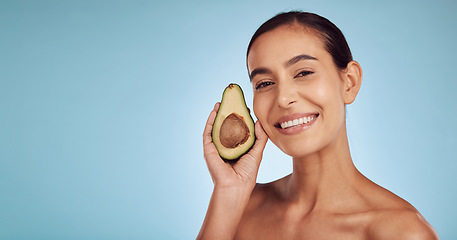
<point x="303" y="76"/>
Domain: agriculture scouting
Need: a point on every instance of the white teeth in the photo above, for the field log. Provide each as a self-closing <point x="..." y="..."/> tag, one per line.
<point x="295" y="122"/>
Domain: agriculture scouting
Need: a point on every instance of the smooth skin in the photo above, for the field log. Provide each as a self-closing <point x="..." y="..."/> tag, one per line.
<point x="325" y="197"/>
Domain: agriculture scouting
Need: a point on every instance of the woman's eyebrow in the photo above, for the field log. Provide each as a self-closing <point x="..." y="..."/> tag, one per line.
<point x="287" y="64"/>
<point x="299" y="58"/>
<point x="259" y="71"/>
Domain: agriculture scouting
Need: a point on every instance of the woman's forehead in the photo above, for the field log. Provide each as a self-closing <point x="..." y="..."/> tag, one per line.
<point x="283" y="43"/>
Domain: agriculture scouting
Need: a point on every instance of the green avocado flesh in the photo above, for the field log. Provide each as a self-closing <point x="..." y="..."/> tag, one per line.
<point x="233" y="129"/>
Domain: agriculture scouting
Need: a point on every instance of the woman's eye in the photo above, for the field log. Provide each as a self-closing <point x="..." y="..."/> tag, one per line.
<point x="304" y="74"/>
<point x="263" y="84"/>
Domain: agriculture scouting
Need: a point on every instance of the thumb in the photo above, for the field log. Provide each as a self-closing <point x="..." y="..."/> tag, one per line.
<point x="259" y="145"/>
<point x="254" y="156"/>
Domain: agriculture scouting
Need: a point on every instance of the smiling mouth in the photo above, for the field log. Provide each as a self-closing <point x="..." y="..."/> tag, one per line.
<point x="296" y="122"/>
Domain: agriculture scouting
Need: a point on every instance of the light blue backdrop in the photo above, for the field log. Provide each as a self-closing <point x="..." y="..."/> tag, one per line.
<point x="103" y="103"/>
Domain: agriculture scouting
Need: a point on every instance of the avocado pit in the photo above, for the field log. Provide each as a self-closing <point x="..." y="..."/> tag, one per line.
<point x="234" y="131"/>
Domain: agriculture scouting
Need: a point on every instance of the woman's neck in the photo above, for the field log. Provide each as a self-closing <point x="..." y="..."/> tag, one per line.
<point x="319" y="177"/>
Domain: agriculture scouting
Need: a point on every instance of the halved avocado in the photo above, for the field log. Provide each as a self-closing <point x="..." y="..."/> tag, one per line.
<point x="233" y="129"/>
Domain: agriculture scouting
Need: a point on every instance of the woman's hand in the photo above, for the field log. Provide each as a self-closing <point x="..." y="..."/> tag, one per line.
<point x="241" y="174"/>
<point x="233" y="184"/>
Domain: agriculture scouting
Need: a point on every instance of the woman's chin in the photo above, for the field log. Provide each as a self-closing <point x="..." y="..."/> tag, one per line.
<point x="299" y="150"/>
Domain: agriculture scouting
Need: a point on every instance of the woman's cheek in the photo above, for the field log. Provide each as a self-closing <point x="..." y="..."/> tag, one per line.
<point x="320" y="91"/>
<point x="326" y="95"/>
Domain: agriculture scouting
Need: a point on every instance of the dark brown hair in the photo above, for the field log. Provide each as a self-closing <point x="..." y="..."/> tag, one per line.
<point x="334" y="40"/>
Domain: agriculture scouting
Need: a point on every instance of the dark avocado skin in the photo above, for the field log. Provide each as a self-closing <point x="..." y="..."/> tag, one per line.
<point x="233" y="103"/>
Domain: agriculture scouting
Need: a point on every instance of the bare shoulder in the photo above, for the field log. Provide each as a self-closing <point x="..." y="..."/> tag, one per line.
<point x="259" y="197"/>
<point x="400" y="224"/>
<point x="258" y="212"/>
<point x="264" y="192"/>
<point x="392" y="217"/>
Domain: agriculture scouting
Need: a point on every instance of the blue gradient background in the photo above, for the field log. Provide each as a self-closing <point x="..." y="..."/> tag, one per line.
<point x="103" y="104"/>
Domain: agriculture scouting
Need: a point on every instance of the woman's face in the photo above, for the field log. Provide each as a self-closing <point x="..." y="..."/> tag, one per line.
<point x="298" y="90"/>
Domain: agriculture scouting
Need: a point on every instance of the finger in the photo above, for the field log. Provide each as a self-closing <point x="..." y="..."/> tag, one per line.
<point x="207" y="138"/>
<point x="260" y="132"/>
<point x="260" y="142"/>
<point x="252" y="159"/>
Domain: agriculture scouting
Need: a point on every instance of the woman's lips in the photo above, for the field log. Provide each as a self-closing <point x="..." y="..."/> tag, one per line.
<point x="295" y="123"/>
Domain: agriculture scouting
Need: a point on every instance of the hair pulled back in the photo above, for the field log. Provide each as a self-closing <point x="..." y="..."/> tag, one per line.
<point x="334" y="40"/>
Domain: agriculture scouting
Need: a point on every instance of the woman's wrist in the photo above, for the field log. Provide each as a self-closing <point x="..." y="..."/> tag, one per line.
<point x="233" y="193"/>
<point x="224" y="213"/>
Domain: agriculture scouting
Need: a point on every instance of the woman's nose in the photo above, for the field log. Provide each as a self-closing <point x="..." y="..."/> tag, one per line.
<point x="287" y="95"/>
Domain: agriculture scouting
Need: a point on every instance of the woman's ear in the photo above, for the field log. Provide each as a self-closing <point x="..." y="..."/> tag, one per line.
<point x="352" y="77"/>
